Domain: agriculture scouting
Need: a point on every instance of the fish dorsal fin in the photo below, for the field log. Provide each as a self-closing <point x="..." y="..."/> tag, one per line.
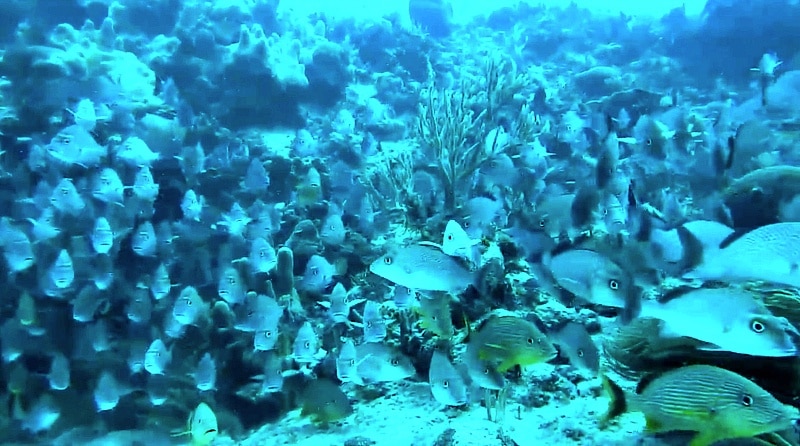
<point x="646" y="380"/>
<point x="580" y="242"/>
<point x="676" y="293"/>
<point x="483" y="323"/>
<point x="735" y="235"/>
<point x="692" y="249"/>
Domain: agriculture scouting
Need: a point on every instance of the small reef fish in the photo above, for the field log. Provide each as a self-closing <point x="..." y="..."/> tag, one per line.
<point x="716" y="403"/>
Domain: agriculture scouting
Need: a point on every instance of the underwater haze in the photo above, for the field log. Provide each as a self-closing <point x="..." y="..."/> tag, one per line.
<point x="408" y="223"/>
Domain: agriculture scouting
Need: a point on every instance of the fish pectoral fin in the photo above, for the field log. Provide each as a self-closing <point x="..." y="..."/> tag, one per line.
<point x="483" y="352"/>
<point x="652" y="425"/>
<point x="506" y="364"/>
<point x="704" y="438"/>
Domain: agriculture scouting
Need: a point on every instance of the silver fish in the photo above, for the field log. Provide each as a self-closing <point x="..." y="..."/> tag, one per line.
<point x="40" y="417"/>
<point x="189" y="307"/>
<point x="173" y="328"/>
<point x="263" y="257"/>
<point x="74" y="145"/>
<point x="381" y="363"/>
<point x="140" y="307"/>
<point x="667" y="244"/>
<point x="374" y="324"/>
<point x="98" y="336"/>
<point x="108" y="392"/>
<point x="333" y="232"/>
<point x="205" y="375"/>
<point x="318" y="274"/>
<point x="62" y="272"/>
<point x="266" y="338"/>
<point x="44" y="228"/>
<point x="457" y="243"/>
<point x="103" y="272"/>
<point x="339" y="305"/>
<point x="108" y="186"/>
<point x="257" y="312"/>
<point x="591" y="277"/>
<point x="770" y="253"/>
<point x="59" y="376"/>
<point x="578" y="346"/>
<point x="347" y="362"/>
<point x="403" y="297"/>
<point x="135" y="152"/>
<point x="231" y="286"/>
<point x="424" y="268"/>
<point x="136" y="353"/>
<point x="66" y="199"/>
<point x="157" y="357"/>
<point x="144" y="185"/>
<point x="161" y="284"/>
<point x="144" y="242"/>
<point x="158" y="387"/>
<point x="273" y="373"/>
<point x="447" y="386"/>
<point x="192" y="205"/>
<point x="306" y="345"/>
<point x="235" y="220"/>
<point x="256" y="179"/>
<point x="192" y="161"/>
<point x="727" y="319"/>
<point x="102" y="236"/>
<point x="17" y="247"/>
<point x="483" y="373"/>
<point x="85" y="305"/>
<point x="85" y="114"/>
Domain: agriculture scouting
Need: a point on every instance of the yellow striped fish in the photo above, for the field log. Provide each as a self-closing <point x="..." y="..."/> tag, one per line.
<point x="506" y="341"/>
<point x="716" y="403"/>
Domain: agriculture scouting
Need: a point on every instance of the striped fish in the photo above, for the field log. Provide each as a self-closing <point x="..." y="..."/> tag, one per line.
<point x="716" y="403"/>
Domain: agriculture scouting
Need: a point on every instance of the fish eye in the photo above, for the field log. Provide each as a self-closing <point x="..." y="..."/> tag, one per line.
<point x="757" y="326"/>
<point x="450" y="237"/>
<point x="580" y="353"/>
<point x="542" y="222"/>
<point x="307" y="344"/>
<point x="613" y="284"/>
<point x="387" y="260"/>
<point x="64" y="191"/>
<point x="530" y="341"/>
<point x="649" y="142"/>
<point x="486" y="371"/>
<point x="231" y="280"/>
<point x="747" y="400"/>
<point x="445" y="384"/>
<point x="267" y="333"/>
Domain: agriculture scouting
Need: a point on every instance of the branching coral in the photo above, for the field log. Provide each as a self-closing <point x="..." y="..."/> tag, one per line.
<point x="392" y="177"/>
<point x="450" y="129"/>
<point x="452" y="125"/>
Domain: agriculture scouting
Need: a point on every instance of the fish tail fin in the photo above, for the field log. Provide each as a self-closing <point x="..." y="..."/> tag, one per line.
<point x="633" y="305"/>
<point x="692" y="249"/>
<point x="618" y="402"/>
